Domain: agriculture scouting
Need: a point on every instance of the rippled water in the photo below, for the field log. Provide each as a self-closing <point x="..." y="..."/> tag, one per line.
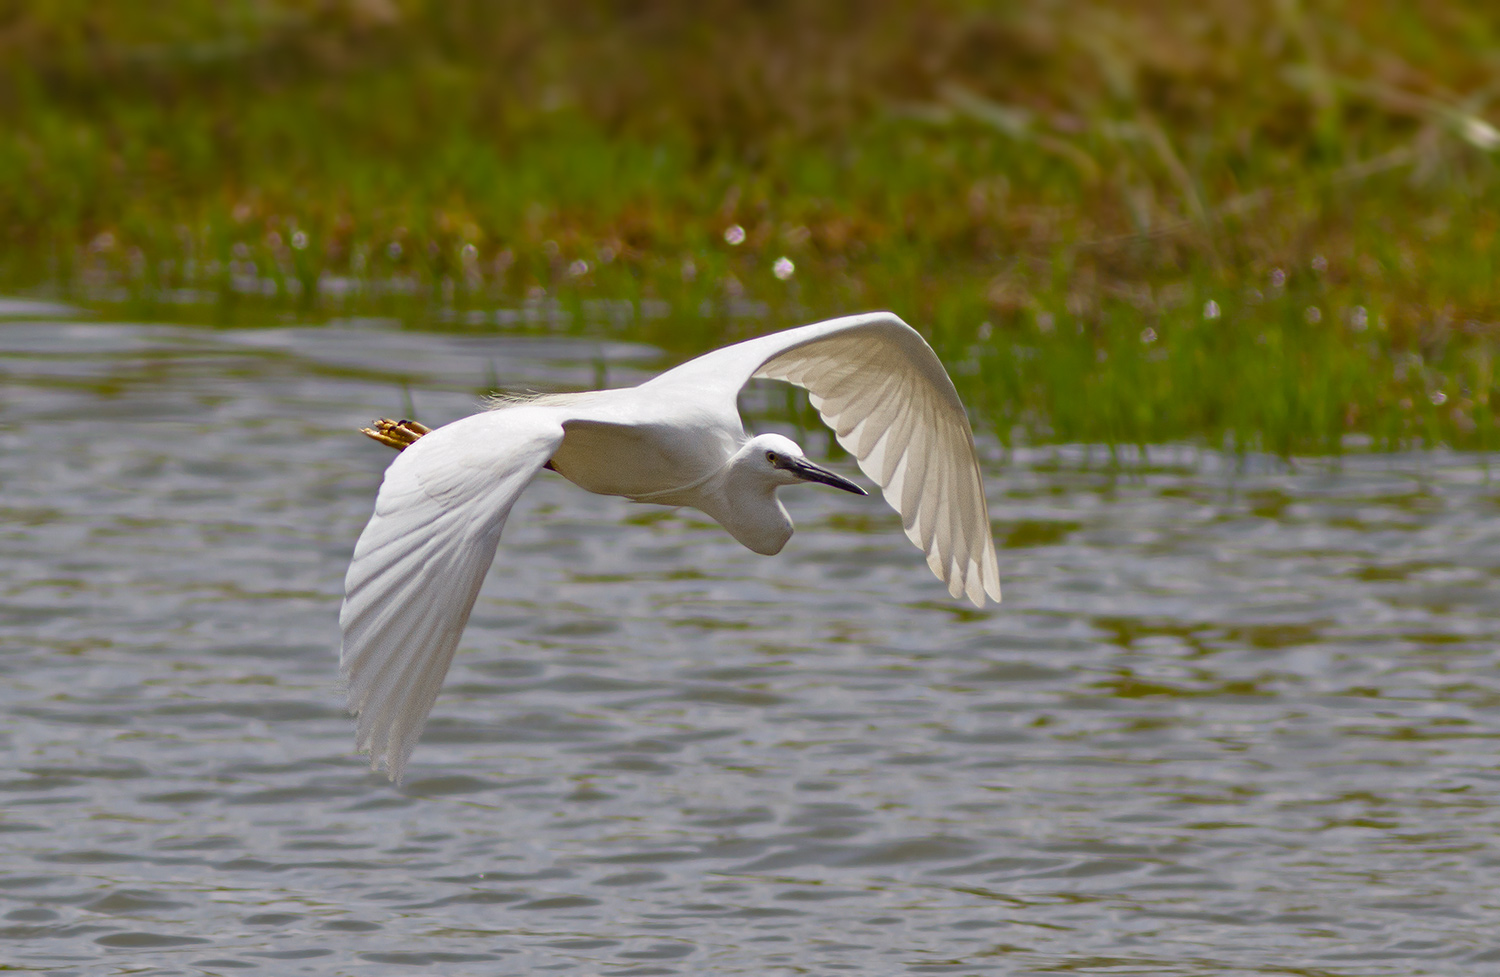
<point x="1226" y="722"/>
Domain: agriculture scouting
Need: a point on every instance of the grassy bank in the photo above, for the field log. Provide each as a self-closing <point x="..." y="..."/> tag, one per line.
<point x="1272" y="228"/>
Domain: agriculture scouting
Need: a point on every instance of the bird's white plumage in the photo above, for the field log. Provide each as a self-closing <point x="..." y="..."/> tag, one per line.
<point x="907" y="420"/>
<point x="676" y="439"/>
<point x="419" y="563"/>
<point x="876" y="382"/>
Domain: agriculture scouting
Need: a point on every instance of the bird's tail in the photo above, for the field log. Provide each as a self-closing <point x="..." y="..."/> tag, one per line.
<point x="400" y="434"/>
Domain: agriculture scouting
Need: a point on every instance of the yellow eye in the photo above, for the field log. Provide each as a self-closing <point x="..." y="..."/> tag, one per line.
<point x="771" y="457"/>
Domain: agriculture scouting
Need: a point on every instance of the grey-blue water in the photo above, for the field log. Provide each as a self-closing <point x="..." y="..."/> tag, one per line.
<point x="1225" y="723"/>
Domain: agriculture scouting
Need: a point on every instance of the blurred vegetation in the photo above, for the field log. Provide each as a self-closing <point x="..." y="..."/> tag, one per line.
<point x="1268" y="225"/>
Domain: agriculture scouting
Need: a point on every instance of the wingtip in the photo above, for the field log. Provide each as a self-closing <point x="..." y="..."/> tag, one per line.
<point x="394" y="772"/>
<point x="979" y="600"/>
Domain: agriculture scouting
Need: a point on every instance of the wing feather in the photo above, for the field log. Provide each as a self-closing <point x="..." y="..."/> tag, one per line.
<point x="889" y="401"/>
<point x="420" y="562"/>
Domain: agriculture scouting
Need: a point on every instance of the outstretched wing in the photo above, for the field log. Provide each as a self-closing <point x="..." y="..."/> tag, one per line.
<point x="419" y="563"/>
<point x="882" y="389"/>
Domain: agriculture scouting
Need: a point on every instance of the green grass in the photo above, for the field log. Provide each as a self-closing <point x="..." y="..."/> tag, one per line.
<point x="1054" y="192"/>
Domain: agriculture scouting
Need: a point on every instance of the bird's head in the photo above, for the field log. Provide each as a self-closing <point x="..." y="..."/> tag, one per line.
<point x="780" y="461"/>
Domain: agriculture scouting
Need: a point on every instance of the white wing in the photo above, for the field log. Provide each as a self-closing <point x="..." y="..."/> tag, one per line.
<point x="882" y="389"/>
<point x="419" y="563"/>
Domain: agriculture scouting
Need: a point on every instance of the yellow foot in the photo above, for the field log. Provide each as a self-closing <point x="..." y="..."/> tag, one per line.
<point x="395" y="434"/>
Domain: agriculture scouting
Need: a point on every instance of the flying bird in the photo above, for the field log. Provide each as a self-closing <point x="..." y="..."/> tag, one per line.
<point x="675" y="440"/>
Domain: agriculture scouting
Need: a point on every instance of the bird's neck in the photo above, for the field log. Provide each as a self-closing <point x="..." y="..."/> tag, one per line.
<point x="746" y="506"/>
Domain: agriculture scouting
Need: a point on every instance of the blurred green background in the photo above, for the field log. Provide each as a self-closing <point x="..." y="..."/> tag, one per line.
<point x="1262" y="226"/>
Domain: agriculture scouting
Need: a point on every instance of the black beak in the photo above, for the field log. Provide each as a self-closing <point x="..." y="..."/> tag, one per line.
<point x="809" y="472"/>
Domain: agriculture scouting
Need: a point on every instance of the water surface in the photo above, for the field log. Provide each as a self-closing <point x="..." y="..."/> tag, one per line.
<point x="1229" y="720"/>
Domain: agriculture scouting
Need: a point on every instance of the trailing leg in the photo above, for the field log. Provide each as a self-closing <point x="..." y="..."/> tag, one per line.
<point x="395" y="434"/>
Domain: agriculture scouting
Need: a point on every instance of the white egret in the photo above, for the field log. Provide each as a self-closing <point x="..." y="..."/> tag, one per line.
<point x="677" y="440"/>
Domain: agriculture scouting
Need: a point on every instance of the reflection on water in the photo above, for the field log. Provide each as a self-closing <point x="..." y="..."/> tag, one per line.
<point x="1225" y="722"/>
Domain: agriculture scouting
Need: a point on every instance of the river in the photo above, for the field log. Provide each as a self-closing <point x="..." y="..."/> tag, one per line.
<point x="1233" y="717"/>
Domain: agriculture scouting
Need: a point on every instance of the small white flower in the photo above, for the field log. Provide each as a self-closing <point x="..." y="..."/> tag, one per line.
<point x="783" y="268"/>
<point x="1210" y="309"/>
<point x="1438" y="398"/>
<point x="578" y="268"/>
<point x="1313" y="314"/>
<point x="1148" y="335"/>
<point x="1480" y="133"/>
<point x="299" y="240"/>
<point x="734" y="235"/>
